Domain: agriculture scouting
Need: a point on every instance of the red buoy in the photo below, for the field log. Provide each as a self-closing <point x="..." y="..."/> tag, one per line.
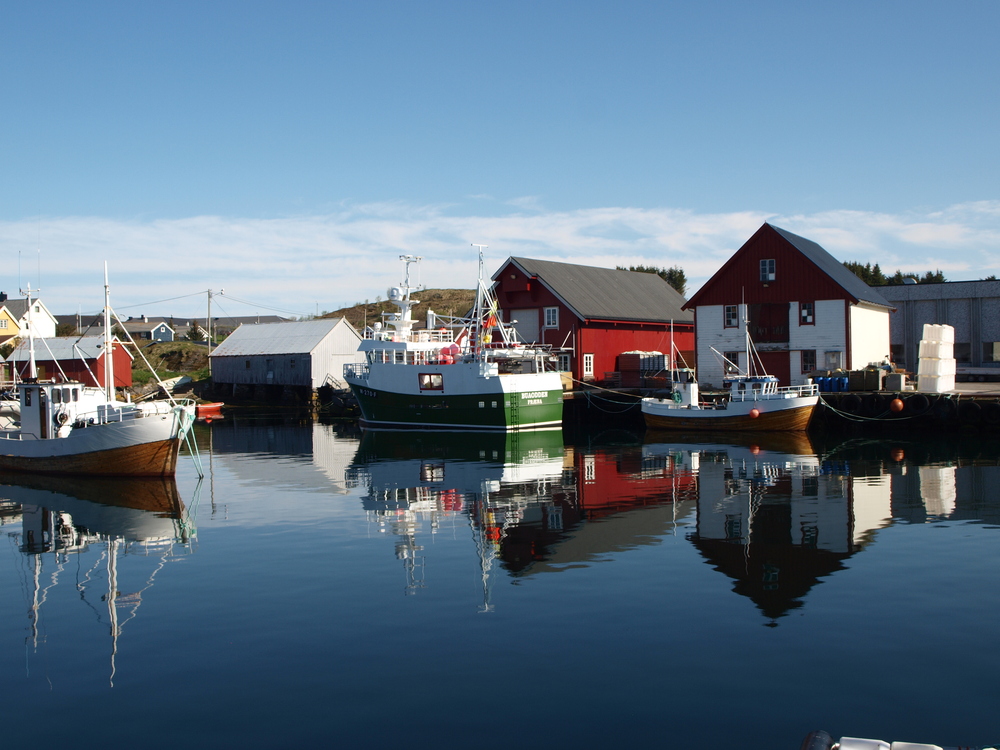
<point x="896" y="405"/>
<point x="754" y="414"/>
<point x="898" y="455"/>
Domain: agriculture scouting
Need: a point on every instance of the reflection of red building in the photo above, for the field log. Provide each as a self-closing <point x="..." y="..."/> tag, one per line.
<point x="633" y="498"/>
<point x="79" y="359"/>
<point x="592" y="315"/>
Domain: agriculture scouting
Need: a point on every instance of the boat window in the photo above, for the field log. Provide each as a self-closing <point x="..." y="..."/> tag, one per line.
<point x="66" y="396"/>
<point x="76" y="394"/>
<point x="27" y="397"/>
<point x="431" y="381"/>
<point x="399" y="357"/>
<point x="56" y="396"/>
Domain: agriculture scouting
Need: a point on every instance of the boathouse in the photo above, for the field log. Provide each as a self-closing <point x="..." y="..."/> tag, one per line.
<point x="305" y="354"/>
<point x="804" y="311"/>
<point x="78" y="359"/>
<point x="591" y="316"/>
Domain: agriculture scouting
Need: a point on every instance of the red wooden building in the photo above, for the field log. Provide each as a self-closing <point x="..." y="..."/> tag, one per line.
<point x="79" y="359"/>
<point x="590" y="316"/>
<point x="803" y="310"/>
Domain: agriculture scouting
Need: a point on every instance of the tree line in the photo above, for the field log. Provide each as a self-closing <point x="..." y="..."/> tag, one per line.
<point x="674" y="275"/>
<point x="873" y="275"/>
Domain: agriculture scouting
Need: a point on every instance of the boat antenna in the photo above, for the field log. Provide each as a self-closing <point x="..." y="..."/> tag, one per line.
<point x="109" y="352"/>
<point x="32" y="368"/>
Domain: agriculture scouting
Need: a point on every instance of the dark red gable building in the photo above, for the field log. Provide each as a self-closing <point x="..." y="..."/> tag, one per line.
<point x="80" y="359"/>
<point x="803" y="310"/>
<point x="590" y="316"/>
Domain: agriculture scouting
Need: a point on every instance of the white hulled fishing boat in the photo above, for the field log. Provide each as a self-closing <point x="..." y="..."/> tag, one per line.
<point x="753" y="401"/>
<point x="68" y="427"/>
<point x="462" y="374"/>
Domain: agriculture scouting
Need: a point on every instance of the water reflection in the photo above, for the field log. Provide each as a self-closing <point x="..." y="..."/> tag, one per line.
<point x="532" y="505"/>
<point x="104" y="524"/>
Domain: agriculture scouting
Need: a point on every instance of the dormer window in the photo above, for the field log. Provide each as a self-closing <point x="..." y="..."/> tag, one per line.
<point x="767" y="270"/>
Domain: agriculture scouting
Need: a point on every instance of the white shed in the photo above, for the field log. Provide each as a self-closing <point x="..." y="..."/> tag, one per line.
<point x="307" y="353"/>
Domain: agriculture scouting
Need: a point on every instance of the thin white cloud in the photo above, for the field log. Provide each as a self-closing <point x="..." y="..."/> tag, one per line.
<point x="302" y="264"/>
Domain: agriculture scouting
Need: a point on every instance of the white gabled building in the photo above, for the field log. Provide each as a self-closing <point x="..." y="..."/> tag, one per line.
<point x="803" y="308"/>
<point x="309" y="353"/>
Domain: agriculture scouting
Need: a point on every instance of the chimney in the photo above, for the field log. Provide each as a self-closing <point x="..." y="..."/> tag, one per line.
<point x="3" y="296"/>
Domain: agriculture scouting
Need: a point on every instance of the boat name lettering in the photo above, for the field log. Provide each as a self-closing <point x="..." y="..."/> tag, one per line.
<point x="367" y="392"/>
<point x="534" y="394"/>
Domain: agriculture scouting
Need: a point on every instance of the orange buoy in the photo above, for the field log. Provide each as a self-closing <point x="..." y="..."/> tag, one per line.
<point x="896" y="405"/>
<point x="754" y="413"/>
<point x="755" y="449"/>
<point x="898" y="455"/>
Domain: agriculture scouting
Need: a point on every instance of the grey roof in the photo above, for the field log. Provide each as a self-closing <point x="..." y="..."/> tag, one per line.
<point x="279" y="338"/>
<point x="607" y="294"/>
<point x="61" y="348"/>
<point x="834" y="269"/>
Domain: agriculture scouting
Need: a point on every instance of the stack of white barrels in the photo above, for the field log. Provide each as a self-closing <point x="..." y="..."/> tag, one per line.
<point x="936" y="368"/>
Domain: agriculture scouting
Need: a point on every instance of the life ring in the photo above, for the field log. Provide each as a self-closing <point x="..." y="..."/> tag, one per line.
<point x="945" y="409"/>
<point x="874" y="405"/>
<point x="677" y="397"/>
<point x="916" y="404"/>
<point x="970" y="412"/>
<point x="61" y="417"/>
<point x="851" y="404"/>
<point x="991" y="413"/>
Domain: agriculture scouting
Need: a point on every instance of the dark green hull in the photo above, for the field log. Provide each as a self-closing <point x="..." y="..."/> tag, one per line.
<point x="491" y="411"/>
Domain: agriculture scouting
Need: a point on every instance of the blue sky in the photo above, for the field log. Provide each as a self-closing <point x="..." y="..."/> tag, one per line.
<point x="289" y="152"/>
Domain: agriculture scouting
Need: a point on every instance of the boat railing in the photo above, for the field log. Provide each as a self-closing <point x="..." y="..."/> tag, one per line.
<point x="785" y="391"/>
<point x="356" y="370"/>
<point x="423" y="336"/>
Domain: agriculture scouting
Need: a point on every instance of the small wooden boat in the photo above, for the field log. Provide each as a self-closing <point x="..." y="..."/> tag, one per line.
<point x="754" y="402"/>
<point x="210" y="411"/>
<point x="73" y="428"/>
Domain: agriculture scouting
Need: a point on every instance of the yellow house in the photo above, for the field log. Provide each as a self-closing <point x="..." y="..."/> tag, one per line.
<point x="9" y="327"/>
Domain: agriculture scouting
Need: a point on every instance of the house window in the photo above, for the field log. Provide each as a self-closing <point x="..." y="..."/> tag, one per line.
<point x="767" y="270"/>
<point x="564" y="362"/>
<point x="732" y="362"/>
<point x="551" y="317"/>
<point x="808" y="360"/>
<point x="291" y="364"/>
<point x="732" y="316"/>
<point x="588" y="365"/>
<point x="248" y="364"/>
<point x="807" y="313"/>
<point x="431" y="381"/>
<point x="3" y="324"/>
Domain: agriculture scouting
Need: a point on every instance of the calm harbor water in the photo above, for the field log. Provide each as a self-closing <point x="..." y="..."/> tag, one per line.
<point x="320" y="585"/>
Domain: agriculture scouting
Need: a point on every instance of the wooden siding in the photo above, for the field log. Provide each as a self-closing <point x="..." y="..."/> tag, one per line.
<point x="606" y="340"/>
<point x="796" y="277"/>
<point x="76" y="369"/>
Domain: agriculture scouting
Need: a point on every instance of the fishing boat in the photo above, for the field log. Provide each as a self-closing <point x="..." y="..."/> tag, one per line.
<point x="466" y="373"/>
<point x="752" y="400"/>
<point x="68" y="427"/>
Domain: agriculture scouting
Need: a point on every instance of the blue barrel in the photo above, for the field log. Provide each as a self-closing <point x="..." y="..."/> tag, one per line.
<point x="844" y="387"/>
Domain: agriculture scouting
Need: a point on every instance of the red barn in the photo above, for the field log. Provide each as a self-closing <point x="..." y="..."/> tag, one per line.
<point x="802" y="308"/>
<point x="79" y="359"/>
<point x="590" y="316"/>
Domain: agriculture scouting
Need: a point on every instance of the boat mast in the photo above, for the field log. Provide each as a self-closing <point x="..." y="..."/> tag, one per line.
<point x="478" y="310"/>
<point x="32" y="367"/>
<point x="109" y="352"/>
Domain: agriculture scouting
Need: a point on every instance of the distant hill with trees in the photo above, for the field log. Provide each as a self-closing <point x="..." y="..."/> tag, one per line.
<point x="873" y="275"/>
<point x="452" y="302"/>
